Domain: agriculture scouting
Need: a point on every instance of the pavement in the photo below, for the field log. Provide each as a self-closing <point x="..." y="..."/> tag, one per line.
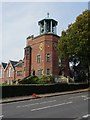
<point x="37" y="96"/>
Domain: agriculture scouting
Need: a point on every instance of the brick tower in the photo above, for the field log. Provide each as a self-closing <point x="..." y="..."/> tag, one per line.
<point x="41" y="54"/>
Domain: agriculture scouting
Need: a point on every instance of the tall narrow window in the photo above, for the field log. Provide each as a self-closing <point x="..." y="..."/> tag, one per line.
<point x="9" y="72"/>
<point x="1" y="73"/>
<point x="19" y="73"/>
<point x="38" y="58"/>
<point x="40" y="72"/>
<point x="48" y="57"/>
<point x="27" y="50"/>
<point x="48" y="71"/>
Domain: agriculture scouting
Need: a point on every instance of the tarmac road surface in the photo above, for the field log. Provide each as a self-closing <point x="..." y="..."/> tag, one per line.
<point x="75" y="106"/>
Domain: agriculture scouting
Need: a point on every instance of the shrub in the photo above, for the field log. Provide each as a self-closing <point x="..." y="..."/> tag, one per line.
<point x="24" y="90"/>
<point x="81" y="77"/>
<point x="46" y="79"/>
<point x="35" y="80"/>
<point x="29" y="80"/>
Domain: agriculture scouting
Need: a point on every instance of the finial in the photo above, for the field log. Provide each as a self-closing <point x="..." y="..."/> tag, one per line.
<point x="47" y="14"/>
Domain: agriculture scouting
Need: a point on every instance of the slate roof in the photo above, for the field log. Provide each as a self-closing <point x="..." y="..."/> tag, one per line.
<point x="13" y="63"/>
<point x="4" y="65"/>
<point x="19" y="64"/>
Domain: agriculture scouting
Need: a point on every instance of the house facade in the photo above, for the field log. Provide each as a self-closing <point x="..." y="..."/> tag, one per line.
<point x="2" y="72"/>
<point x="10" y="72"/>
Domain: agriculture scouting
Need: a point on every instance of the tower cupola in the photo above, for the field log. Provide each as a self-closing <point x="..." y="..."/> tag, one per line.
<point x="48" y="25"/>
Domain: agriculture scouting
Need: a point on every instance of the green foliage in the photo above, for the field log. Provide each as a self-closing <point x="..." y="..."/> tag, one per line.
<point x="75" y="40"/>
<point x="81" y="77"/>
<point x="25" y="90"/>
<point x="37" y="80"/>
<point x="46" y="79"/>
<point x="29" y="80"/>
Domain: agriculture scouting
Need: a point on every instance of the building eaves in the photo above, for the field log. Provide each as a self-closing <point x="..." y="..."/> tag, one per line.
<point x="4" y="65"/>
<point x="20" y="62"/>
<point x="13" y="63"/>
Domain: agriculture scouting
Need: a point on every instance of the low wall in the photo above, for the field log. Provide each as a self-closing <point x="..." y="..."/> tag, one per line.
<point x="24" y="90"/>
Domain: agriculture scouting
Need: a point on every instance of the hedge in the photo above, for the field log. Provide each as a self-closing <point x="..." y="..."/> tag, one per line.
<point x="44" y="79"/>
<point x="24" y="90"/>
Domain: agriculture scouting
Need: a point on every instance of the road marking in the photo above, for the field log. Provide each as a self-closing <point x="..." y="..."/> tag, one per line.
<point x="84" y="96"/>
<point x="77" y="96"/>
<point x="85" y="116"/>
<point x="74" y="97"/>
<point x="87" y="98"/>
<point x="28" y="105"/>
<point x="50" y="106"/>
<point x="1" y="116"/>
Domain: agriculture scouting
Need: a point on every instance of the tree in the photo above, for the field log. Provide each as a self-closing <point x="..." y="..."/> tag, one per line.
<point x="75" y="40"/>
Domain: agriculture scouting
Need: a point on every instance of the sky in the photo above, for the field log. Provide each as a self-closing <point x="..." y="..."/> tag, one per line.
<point x="20" y="20"/>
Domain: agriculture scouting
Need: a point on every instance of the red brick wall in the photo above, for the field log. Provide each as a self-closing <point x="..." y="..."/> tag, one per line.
<point x="27" y="61"/>
<point x="35" y="43"/>
<point x="51" y="46"/>
<point x="47" y="41"/>
<point x="18" y="69"/>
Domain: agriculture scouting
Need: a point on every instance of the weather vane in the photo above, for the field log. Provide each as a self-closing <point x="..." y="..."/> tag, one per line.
<point x="48" y="14"/>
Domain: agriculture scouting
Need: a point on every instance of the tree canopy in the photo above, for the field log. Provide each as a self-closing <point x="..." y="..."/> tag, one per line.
<point x="75" y="40"/>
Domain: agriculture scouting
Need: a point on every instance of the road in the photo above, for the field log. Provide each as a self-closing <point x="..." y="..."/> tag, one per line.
<point x="73" y="106"/>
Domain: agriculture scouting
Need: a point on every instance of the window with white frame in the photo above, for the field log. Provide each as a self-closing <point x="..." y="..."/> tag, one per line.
<point x="48" y="71"/>
<point x="40" y="72"/>
<point x="9" y="72"/>
<point x="19" y="73"/>
<point x="48" y="57"/>
<point x="38" y="58"/>
<point x="1" y="73"/>
<point x="12" y="69"/>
